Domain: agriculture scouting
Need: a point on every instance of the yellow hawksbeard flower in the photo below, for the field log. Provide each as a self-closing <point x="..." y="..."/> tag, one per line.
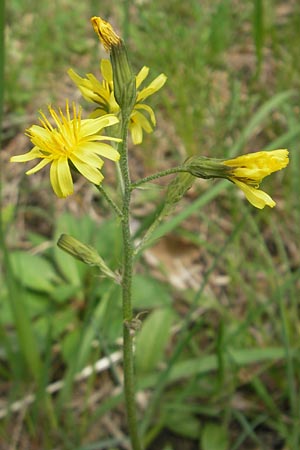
<point x="248" y="171"/>
<point x="74" y="141"/>
<point x="103" y="94"/>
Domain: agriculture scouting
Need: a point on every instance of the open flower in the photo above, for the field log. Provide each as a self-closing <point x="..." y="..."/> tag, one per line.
<point x="248" y="171"/>
<point x="72" y="141"/>
<point x="142" y="117"/>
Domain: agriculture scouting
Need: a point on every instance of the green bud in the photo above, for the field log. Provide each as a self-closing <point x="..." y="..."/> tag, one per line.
<point x="178" y="187"/>
<point x="84" y="253"/>
<point x="124" y="80"/>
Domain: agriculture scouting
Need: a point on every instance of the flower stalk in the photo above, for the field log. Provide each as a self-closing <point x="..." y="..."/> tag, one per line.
<point x="125" y="95"/>
<point x="128" y="360"/>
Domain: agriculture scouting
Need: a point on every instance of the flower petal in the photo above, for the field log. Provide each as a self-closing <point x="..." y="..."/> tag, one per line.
<point x="60" y="190"/>
<point x="106" y="70"/>
<point x="137" y="117"/>
<point x="89" y="172"/>
<point x="92" y="126"/>
<point x="64" y="177"/>
<point x="256" y="166"/>
<point x="141" y="76"/>
<point x="256" y="197"/>
<point x="39" y="166"/>
<point x="89" y="158"/>
<point x="136" y="133"/>
<point x="153" y="87"/>
<point x="32" y="154"/>
<point x="102" y="149"/>
<point x="149" y="111"/>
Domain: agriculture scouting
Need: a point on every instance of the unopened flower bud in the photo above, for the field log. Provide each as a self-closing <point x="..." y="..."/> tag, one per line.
<point x="178" y="187"/>
<point x="84" y="253"/>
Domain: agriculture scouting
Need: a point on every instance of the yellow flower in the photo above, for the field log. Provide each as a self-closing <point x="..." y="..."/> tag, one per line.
<point x="74" y="141"/>
<point x="96" y="91"/>
<point x="248" y="171"/>
<point x="142" y="117"/>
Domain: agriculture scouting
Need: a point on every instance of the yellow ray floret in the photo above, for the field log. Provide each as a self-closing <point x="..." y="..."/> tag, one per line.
<point x="248" y="171"/>
<point x="70" y="140"/>
<point x="142" y="117"/>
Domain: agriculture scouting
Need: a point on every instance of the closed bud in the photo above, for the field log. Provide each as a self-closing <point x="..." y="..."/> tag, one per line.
<point x="178" y="187"/>
<point x="84" y="253"/>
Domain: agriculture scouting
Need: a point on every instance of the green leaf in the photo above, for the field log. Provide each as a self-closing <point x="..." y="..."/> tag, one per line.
<point x="149" y="293"/>
<point x="70" y="344"/>
<point x="214" y="437"/>
<point x="183" y="424"/>
<point x="108" y="242"/>
<point x="33" y="271"/>
<point x="153" y="338"/>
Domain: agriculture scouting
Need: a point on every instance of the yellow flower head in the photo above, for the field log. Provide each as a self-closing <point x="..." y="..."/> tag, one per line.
<point x="142" y="117"/>
<point x="71" y="140"/>
<point x="95" y="91"/>
<point x="105" y="32"/>
<point x="248" y="171"/>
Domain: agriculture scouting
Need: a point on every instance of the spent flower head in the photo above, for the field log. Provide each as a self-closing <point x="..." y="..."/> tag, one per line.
<point x="108" y="37"/>
<point x="124" y="81"/>
<point x="71" y="140"/>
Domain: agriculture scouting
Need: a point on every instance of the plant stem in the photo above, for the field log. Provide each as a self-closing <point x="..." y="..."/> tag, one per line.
<point x="157" y="175"/>
<point x="109" y="199"/>
<point x="129" y="384"/>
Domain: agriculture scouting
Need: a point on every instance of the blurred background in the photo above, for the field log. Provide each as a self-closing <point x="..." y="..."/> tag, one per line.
<point x="217" y="357"/>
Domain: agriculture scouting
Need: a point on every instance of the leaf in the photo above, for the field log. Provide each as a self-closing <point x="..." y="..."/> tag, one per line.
<point x="69" y="345"/>
<point x="214" y="437"/>
<point x="184" y="424"/>
<point x="33" y="271"/>
<point x="151" y="341"/>
<point x="148" y="293"/>
<point x="108" y="242"/>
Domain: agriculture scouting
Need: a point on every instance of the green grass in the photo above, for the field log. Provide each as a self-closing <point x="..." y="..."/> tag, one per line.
<point x="222" y="354"/>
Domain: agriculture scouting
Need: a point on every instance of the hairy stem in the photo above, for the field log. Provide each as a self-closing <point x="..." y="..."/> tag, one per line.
<point x="109" y="200"/>
<point x="157" y="175"/>
<point x="129" y="383"/>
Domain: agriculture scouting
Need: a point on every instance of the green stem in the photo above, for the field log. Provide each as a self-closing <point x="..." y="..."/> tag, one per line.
<point x="129" y="383"/>
<point x="146" y="241"/>
<point x="109" y="200"/>
<point x="157" y="175"/>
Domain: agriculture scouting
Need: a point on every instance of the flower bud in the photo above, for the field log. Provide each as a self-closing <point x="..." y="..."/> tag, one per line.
<point x="178" y="187"/>
<point x="84" y="253"/>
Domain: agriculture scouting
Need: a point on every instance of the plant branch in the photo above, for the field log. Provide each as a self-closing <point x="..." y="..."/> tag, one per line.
<point x="109" y="200"/>
<point x="157" y="175"/>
